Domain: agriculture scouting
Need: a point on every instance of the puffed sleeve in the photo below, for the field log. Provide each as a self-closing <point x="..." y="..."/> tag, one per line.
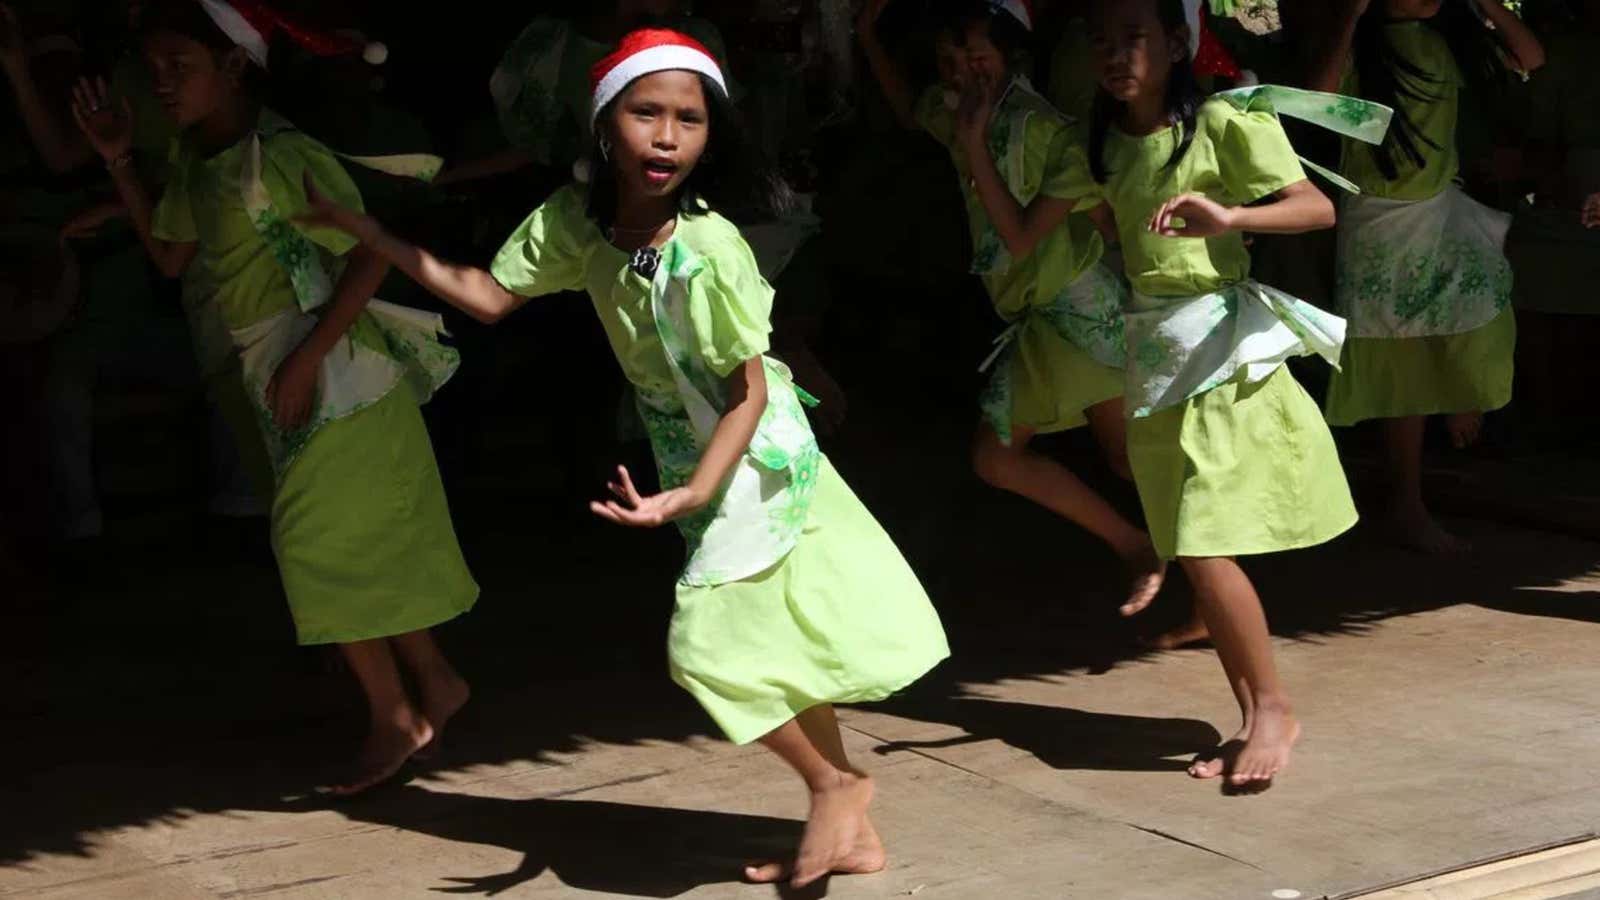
<point x="1254" y="155"/>
<point x="730" y="309"/>
<point x="549" y="251"/>
<point x="287" y="159"/>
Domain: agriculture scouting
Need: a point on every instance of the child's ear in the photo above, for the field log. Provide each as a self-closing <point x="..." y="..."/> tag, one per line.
<point x="235" y="64"/>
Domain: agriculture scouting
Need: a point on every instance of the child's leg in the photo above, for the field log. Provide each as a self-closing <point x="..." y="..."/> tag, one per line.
<point x="443" y="689"/>
<point x="1048" y="483"/>
<point x="840" y="797"/>
<point x="1238" y="627"/>
<point x="1109" y="422"/>
<point x="1414" y="525"/>
<point x="398" y="729"/>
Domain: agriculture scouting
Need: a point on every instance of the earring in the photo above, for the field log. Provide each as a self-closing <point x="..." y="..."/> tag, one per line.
<point x="605" y="149"/>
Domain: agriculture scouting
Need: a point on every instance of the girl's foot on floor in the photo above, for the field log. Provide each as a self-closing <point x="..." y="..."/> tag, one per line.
<point x="1149" y="574"/>
<point x="832" y="829"/>
<point x="1418" y="530"/>
<point x="1214" y="762"/>
<point x="1273" y="734"/>
<point x="387" y="749"/>
<point x="1464" y="428"/>
<point x="867" y="857"/>
<point x="1193" y="631"/>
<point x="441" y="701"/>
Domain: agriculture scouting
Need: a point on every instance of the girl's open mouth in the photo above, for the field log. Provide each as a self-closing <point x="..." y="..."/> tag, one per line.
<point x="659" y="171"/>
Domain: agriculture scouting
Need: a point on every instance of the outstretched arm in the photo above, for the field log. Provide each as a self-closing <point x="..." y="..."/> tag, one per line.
<point x="467" y="288"/>
<point x="1298" y="208"/>
<point x="1526" y="52"/>
<point x="54" y="139"/>
<point x="896" y="89"/>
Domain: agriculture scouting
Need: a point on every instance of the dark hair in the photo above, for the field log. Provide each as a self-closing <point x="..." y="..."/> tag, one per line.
<point x="187" y="18"/>
<point x="732" y="177"/>
<point x="1184" y="98"/>
<point x="956" y="19"/>
<point x="1387" y="77"/>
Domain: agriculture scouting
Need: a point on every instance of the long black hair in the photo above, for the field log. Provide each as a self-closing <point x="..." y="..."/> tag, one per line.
<point x="1184" y="99"/>
<point x="732" y="177"/>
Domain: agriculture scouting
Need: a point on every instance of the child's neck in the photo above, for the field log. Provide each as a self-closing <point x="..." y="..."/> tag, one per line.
<point x="1145" y="115"/>
<point x="227" y="126"/>
<point x="640" y="221"/>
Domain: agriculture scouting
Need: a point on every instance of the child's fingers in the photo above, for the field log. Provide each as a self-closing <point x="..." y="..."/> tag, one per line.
<point x="632" y="494"/>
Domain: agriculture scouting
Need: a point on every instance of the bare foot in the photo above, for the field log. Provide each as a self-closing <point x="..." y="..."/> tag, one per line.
<point x="387" y="748"/>
<point x="1273" y="733"/>
<point x="867" y="857"/>
<point x="1464" y="428"/>
<point x="1212" y="763"/>
<point x="1193" y="631"/>
<point x="833" y="827"/>
<point x="441" y="700"/>
<point x="1149" y="573"/>
<point x="1418" y="530"/>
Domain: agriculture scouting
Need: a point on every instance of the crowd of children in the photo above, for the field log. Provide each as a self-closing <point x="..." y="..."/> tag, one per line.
<point x="1110" y="219"/>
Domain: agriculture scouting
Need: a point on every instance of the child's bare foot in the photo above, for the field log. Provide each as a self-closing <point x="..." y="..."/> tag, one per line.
<point x="1464" y="428"/>
<point x="867" y="857"/>
<point x="441" y="700"/>
<point x="1273" y="734"/>
<point x="1193" y="631"/>
<point x="388" y="746"/>
<point x="1149" y="573"/>
<point x="1214" y="762"/>
<point x="1418" y="530"/>
<point x="833" y="827"/>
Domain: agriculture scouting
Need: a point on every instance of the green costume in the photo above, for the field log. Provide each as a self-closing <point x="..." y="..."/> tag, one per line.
<point x="792" y="595"/>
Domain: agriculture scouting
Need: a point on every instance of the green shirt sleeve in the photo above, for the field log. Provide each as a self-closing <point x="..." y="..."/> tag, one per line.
<point x="730" y="308"/>
<point x="546" y="254"/>
<point x="1254" y="156"/>
<point x="173" y="218"/>
<point x="287" y="160"/>
<point x="1068" y="177"/>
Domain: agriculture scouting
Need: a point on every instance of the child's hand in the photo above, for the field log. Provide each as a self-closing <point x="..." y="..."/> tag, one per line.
<point x="976" y="109"/>
<point x="292" y="392"/>
<point x="646" y="512"/>
<point x="88" y="223"/>
<point x="106" y="123"/>
<point x="1591" y="211"/>
<point x="320" y="212"/>
<point x="1202" y="217"/>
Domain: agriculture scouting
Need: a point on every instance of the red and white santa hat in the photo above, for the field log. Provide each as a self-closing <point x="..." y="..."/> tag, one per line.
<point x="252" y="24"/>
<point x="1210" y="57"/>
<point x="1021" y="10"/>
<point x="646" y="52"/>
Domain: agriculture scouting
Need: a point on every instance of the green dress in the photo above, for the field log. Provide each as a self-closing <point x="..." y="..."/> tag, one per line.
<point x="1230" y="454"/>
<point x="1064" y="350"/>
<point x="792" y="595"/>
<point x="1423" y="277"/>
<point x="360" y="524"/>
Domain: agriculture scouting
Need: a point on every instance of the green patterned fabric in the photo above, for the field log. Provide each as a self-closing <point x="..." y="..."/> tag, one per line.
<point x="1435" y="118"/>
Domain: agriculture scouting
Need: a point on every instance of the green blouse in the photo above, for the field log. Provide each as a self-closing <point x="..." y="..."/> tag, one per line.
<point x="559" y="248"/>
<point x="1435" y="119"/>
<point x="1236" y="158"/>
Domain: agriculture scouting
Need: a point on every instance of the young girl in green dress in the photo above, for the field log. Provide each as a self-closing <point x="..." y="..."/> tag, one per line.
<point x="1423" y="277"/>
<point x="1059" y="365"/>
<point x="360" y="526"/>
<point x="793" y="598"/>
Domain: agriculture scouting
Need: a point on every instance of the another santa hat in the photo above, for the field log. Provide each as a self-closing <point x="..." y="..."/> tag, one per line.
<point x="1021" y="10"/>
<point x="646" y="52"/>
<point x="1210" y="57"/>
<point x="252" y="24"/>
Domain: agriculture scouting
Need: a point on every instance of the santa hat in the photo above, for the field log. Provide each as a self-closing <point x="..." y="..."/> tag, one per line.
<point x="252" y="24"/>
<point x="646" y="52"/>
<point x="1021" y="10"/>
<point x="1210" y="57"/>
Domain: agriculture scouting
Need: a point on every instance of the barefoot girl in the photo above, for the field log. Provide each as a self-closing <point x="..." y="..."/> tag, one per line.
<point x="793" y="599"/>
<point x="1060" y="362"/>
<point x="1229" y="453"/>
<point x="360" y="526"/>
<point x="1423" y="279"/>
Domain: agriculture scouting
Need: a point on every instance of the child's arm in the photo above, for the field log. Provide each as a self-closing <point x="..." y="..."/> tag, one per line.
<point x="467" y="288"/>
<point x="884" y="68"/>
<point x="50" y="136"/>
<point x="1299" y="208"/>
<point x="1328" y="63"/>
<point x="747" y="401"/>
<point x="293" y="389"/>
<point x="1527" y="53"/>
<point x="1021" y="229"/>
<point x="109" y="128"/>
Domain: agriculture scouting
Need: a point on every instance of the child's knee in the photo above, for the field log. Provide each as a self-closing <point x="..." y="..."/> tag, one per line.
<point x="992" y="461"/>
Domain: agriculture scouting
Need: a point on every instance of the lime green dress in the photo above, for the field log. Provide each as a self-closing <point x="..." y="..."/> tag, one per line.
<point x="1230" y="455"/>
<point x="360" y="525"/>
<point x="792" y="595"/>
<point x="1063" y="352"/>
<point x="1423" y="277"/>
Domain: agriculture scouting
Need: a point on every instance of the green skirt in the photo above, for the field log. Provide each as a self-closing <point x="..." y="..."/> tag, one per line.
<point x="842" y="619"/>
<point x="362" y="531"/>
<point x="1051" y="383"/>
<point x="1239" y="470"/>
<point x="1393" y="378"/>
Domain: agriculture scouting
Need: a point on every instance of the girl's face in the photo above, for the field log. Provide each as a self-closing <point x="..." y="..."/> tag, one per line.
<point x="1134" y="52"/>
<point x="974" y="57"/>
<point x="659" y="127"/>
<point x="1405" y="10"/>
<point x="191" y="80"/>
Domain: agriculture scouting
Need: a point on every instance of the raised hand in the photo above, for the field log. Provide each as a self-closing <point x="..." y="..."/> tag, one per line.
<point x="1202" y="217"/>
<point x="321" y="212"/>
<point x="636" y="511"/>
<point x="107" y="123"/>
<point x="976" y="108"/>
